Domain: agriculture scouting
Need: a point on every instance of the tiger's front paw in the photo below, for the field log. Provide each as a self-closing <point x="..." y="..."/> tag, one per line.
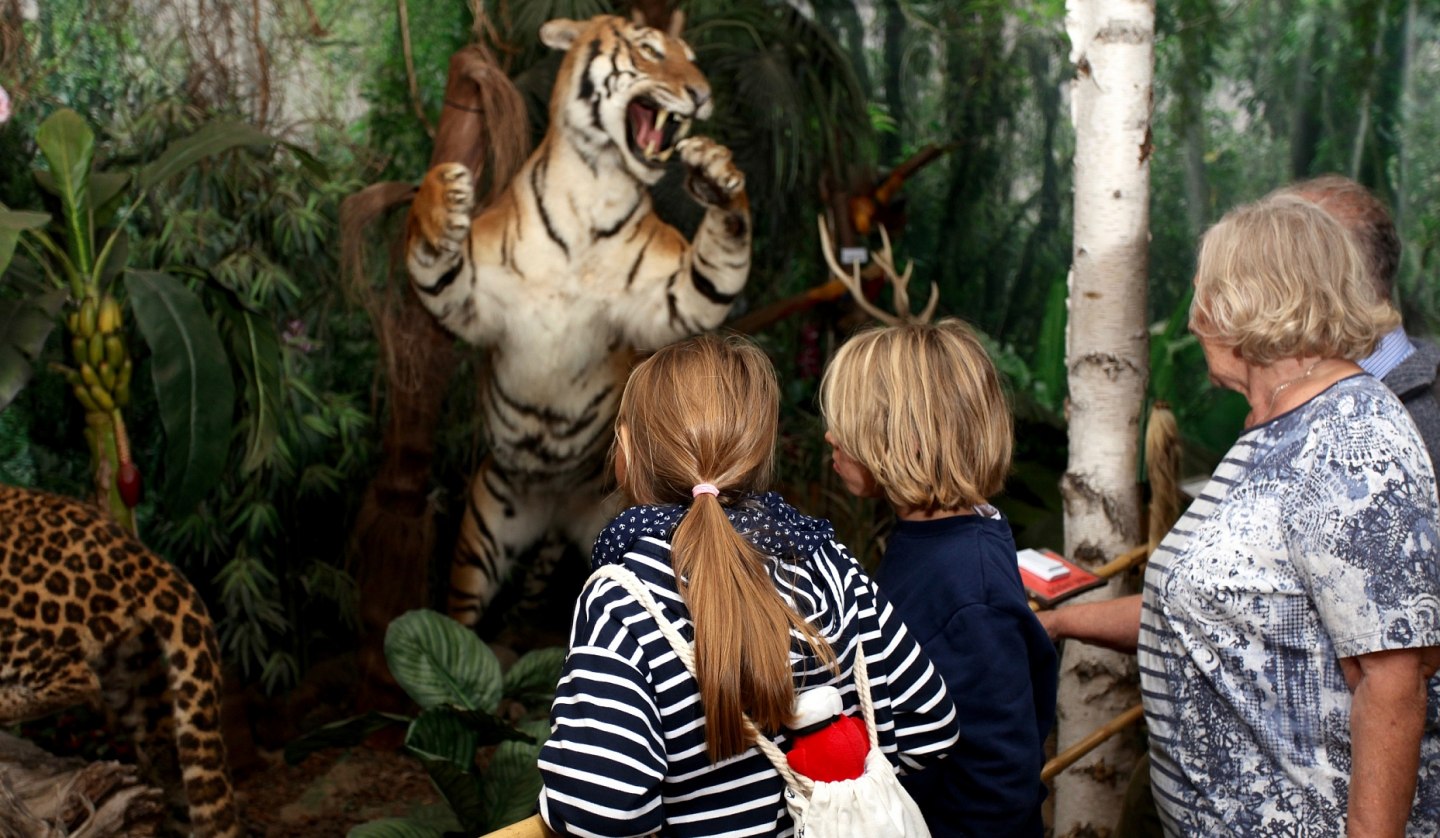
<point x="440" y="214"/>
<point x="714" y="179"/>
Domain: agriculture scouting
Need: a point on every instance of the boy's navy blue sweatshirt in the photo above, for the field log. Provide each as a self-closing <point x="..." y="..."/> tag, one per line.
<point x="955" y="583"/>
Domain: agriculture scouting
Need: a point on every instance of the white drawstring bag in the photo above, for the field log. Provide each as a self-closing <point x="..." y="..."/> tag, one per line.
<point x="873" y="805"/>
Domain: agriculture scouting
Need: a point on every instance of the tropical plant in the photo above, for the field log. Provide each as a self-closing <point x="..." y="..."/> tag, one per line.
<point x="238" y="250"/>
<point x="456" y="680"/>
<point x="78" y="263"/>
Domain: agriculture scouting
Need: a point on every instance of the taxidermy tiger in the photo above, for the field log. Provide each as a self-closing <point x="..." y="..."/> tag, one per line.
<point x="79" y="596"/>
<point x="569" y="273"/>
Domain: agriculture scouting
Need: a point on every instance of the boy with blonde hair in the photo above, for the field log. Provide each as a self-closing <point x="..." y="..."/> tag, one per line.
<point x="916" y="415"/>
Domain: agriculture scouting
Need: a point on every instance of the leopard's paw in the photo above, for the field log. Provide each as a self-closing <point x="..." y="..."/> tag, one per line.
<point x="714" y="178"/>
<point x="441" y="211"/>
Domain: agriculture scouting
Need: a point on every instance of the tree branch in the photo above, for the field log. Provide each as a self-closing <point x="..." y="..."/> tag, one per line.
<point x="404" y="13"/>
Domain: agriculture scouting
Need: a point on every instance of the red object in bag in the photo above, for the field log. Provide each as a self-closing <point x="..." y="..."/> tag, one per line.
<point x="835" y="752"/>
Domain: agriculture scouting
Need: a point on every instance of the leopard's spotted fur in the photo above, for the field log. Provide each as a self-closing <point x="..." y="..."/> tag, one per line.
<point x="78" y="595"/>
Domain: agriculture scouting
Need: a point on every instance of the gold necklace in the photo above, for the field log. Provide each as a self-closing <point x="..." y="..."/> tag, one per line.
<point x="1275" y="394"/>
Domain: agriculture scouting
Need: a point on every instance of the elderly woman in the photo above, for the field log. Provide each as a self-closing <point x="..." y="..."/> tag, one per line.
<point x="1291" y="620"/>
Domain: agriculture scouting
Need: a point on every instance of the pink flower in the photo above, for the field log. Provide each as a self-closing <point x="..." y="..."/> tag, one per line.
<point x="4" y="106"/>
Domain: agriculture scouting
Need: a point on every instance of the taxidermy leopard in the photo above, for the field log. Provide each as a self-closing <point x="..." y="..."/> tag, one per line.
<point x="78" y="596"/>
<point x="566" y="276"/>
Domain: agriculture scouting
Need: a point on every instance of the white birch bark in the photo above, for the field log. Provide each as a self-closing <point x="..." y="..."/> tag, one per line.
<point x="1112" y="47"/>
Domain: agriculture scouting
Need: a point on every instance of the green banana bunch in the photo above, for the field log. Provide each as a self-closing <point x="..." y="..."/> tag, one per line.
<point x="102" y="382"/>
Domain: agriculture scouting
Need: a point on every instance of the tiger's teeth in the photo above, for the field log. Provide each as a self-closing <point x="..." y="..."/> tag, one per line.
<point x="665" y="155"/>
<point x="660" y="121"/>
<point x="683" y="130"/>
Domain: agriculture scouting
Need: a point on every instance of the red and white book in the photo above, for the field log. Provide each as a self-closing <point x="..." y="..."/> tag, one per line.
<point x="1049" y="578"/>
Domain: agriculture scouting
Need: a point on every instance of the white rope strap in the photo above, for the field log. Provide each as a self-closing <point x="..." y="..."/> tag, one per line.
<point x="683" y="650"/>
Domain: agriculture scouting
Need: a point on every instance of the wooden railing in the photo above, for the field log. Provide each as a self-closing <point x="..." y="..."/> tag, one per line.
<point x="1073" y="754"/>
<point x="1068" y="757"/>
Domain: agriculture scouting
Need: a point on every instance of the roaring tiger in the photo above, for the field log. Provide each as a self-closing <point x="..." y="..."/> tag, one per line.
<point x="567" y="275"/>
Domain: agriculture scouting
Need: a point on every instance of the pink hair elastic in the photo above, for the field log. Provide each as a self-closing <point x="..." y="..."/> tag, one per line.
<point x="704" y="489"/>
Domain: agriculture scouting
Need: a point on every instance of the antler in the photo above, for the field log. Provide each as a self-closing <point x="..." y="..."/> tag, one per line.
<point x="885" y="261"/>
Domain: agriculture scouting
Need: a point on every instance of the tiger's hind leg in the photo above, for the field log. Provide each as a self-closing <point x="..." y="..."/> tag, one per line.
<point x="563" y="558"/>
<point x="528" y="605"/>
<point x="500" y="524"/>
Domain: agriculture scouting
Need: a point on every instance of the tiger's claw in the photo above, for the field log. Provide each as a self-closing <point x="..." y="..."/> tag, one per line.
<point x="714" y="178"/>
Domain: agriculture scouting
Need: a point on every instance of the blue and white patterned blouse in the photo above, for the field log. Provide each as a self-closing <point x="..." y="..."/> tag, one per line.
<point x="1315" y="540"/>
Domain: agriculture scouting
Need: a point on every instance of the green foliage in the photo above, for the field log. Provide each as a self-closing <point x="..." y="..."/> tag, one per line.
<point x="788" y="103"/>
<point x="457" y="682"/>
<point x="440" y="662"/>
<point x="190" y="369"/>
<point x="531" y="680"/>
<point x="227" y="259"/>
<point x="392" y="128"/>
<point x="191" y="373"/>
<point x="17" y="464"/>
<point x="25" y="325"/>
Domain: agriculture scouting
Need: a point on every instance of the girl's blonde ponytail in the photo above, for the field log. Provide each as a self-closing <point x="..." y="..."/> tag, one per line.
<point x="706" y="411"/>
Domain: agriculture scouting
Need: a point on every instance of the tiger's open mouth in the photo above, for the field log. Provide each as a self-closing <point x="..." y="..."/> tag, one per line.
<point x="654" y="131"/>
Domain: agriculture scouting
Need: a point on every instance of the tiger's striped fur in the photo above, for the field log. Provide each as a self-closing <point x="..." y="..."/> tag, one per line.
<point x="567" y="275"/>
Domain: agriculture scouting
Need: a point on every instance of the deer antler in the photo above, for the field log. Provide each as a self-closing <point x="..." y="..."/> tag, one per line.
<point x="885" y="261"/>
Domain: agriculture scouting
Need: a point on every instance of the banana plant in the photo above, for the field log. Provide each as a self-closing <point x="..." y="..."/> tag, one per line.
<point x="77" y="275"/>
<point x="456" y="680"/>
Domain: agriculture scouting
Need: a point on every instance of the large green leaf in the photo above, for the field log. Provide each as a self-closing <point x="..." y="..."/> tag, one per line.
<point x="440" y="662"/>
<point x="394" y="828"/>
<point x="1050" y="347"/>
<point x="462" y="790"/>
<point x="255" y="347"/>
<point x="116" y="256"/>
<point x="512" y="783"/>
<point x="107" y="194"/>
<point x="1166" y="345"/>
<point x="489" y="728"/>
<point x="8" y="240"/>
<point x="308" y="161"/>
<point x="532" y="679"/>
<point x="345" y="733"/>
<point x="192" y="384"/>
<point x="439" y="733"/>
<point x="25" y="325"/>
<point x="22" y="220"/>
<point x="12" y="223"/>
<point x="212" y="139"/>
<point x="69" y="147"/>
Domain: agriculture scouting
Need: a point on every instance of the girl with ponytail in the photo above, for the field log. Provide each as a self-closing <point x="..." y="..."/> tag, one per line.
<point x="772" y="604"/>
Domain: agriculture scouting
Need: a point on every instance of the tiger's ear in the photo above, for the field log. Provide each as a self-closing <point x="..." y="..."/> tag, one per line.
<point x="560" y="33"/>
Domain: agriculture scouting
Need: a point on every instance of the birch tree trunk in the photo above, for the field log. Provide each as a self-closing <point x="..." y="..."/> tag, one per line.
<point x="1112" y="47"/>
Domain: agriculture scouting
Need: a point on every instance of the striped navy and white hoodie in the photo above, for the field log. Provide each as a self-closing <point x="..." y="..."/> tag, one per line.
<point x="626" y="754"/>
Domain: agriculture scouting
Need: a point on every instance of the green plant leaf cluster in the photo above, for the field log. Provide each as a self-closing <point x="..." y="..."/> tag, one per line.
<point x="191" y="373"/>
<point x="248" y="413"/>
<point x="456" y="681"/>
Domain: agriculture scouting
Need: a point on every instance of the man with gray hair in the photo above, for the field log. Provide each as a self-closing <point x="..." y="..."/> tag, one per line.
<point x="1406" y="365"/>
